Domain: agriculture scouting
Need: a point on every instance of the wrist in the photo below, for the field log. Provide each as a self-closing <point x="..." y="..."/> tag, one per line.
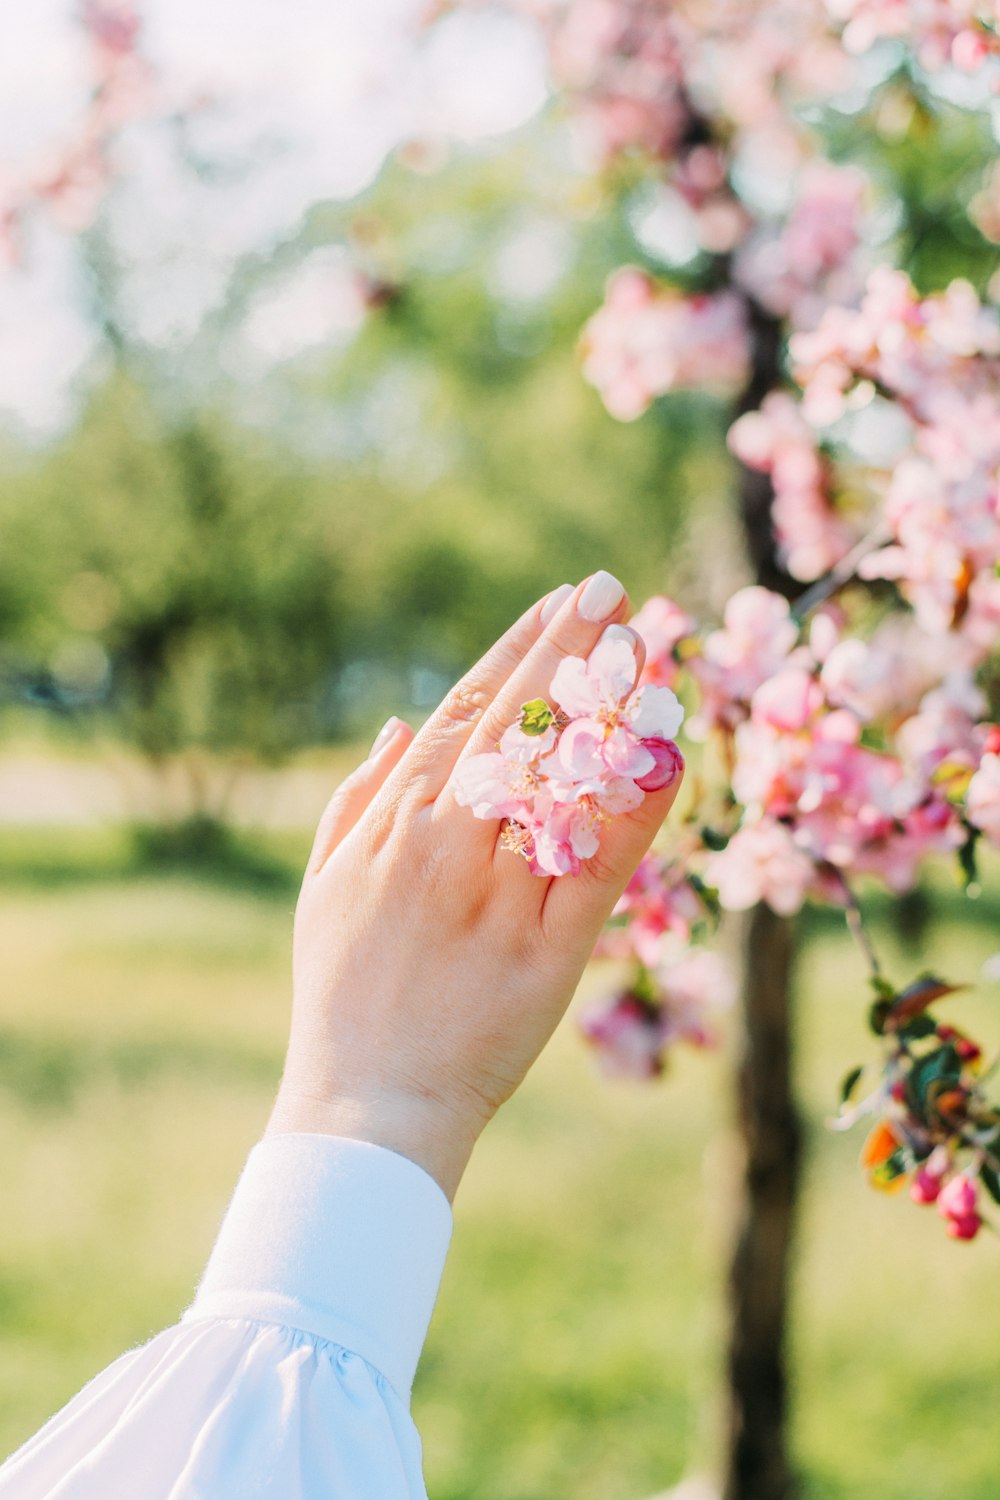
<point x="429" y="1135"/>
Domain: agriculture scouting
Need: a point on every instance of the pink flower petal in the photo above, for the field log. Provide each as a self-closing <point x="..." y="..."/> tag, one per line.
<point x="583" y="836"/>
<point x="579" y="752"/>
<point x="626" y="755"/>
<point x="574" y="690"/>
<point x="667" y="765"/>
<point x="481" y="785"/>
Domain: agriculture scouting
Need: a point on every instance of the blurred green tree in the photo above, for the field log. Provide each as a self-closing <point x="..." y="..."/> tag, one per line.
<point x="221" y="562"/>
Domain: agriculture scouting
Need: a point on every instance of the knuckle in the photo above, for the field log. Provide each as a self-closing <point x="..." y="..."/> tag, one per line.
<point x="464" y="705"/>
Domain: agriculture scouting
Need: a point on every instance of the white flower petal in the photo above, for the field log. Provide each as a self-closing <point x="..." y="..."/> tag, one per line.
<point x="611" y="667"/>
<point x="655" y="713"/>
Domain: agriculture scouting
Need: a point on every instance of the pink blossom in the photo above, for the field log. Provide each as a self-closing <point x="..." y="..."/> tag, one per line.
<point x="619" y="58"/>
<point x="627" y="1034"/>
<point x="958" y="1205"/>
<point x="662" y="625"/>
<point x="761" y="862"/>
<point x="788" y="701"/>
<point x="558" y="788"/>
<point x="945" y="728"/>
<point x="503" y="783"/>
<point x="644" y="342"/>
<point x="757" y="638"/>
<point x="982" y="806"/>
<point x="818" y="254"/>
<point x="965" y="1227"/>
<point x="694" y="986"/>
<point x="886" y="676"/>
<point x="659" y="899"/>
<point x="633" y="1032"/>
<point x="668" y="764"/>
<point x="937" y="358"/>
<point x="778" y="441"/>
<point x="958" y="1197"/>
<point x="609" y="726"/>
<point x="941" y="31"/>
<point x="925" y="1187"/>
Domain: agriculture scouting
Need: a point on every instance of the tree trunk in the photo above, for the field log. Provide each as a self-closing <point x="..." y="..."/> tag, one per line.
<point x="757" y="1466"/>
<point x="756" y="1463"/>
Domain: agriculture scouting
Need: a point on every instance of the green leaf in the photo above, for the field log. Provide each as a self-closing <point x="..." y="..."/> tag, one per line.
<point x="707" y="895"/>
<point x="939" y="1070"/>
<point x="713" y="840"/>
<point x="536" y="716"/>
<point x="991" y="1181"/>
<point x="850" y="1083"/>
<point x="968" y="869"/>
<point x="645" y="989"/>
<point x="919" y="1027"/>
<point x="877" y="1015"/>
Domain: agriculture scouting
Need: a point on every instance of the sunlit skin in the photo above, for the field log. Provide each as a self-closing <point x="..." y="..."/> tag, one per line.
<point x="431" y="966"/>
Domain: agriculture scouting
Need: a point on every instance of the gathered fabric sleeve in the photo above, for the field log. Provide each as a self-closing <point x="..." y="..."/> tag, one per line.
<point x="289" y="1376"/>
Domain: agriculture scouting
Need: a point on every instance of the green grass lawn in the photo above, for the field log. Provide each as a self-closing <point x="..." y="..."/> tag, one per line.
<point x="576" y="1342"/>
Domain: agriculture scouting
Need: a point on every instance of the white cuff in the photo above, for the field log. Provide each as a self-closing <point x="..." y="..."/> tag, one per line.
<point x="340" y="1238"/>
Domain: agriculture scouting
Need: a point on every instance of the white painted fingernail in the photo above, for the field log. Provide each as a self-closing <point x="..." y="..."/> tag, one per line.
<point x="384" y="735"/>
<point x="620" y="633"/>
<point x="555" y="602"/>
<point x="600" y="598"/>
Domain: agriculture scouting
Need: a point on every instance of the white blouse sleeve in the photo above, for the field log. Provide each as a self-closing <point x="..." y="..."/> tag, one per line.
<point x="288" y="1378"/>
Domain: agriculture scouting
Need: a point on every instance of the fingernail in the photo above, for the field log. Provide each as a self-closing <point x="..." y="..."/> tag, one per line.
<point x="555" y="602"/>
<point x="384" y="735"/>
<point x="600" y="598"/>
<point x="620" y="633"/>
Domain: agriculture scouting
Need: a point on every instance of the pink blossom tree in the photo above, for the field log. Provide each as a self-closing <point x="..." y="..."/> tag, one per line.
<point x="844" y="698"/>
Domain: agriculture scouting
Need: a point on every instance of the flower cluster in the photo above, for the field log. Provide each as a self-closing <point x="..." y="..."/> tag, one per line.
<point x="816" y="803"/>
<point x="935" y="1128"/>
<point x="959" y="32"/>
<point x="936" y="361"/>
<point x="634" y="1028"/>
<point x="559" y="775"/>
<point x="810" y="533"/>
<point x="852" y="736"/>
<point x="645" y="341"/>
<point x="816" y="252"/>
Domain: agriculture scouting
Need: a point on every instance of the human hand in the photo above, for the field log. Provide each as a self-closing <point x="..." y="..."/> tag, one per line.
<point x="430" y="965"/>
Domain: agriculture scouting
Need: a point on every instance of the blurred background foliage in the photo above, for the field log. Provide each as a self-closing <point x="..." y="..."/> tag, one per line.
<point x="252" y="572"/>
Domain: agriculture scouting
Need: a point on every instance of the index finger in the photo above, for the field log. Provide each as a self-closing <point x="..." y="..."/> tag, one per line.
<point x="432" y="755"/>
